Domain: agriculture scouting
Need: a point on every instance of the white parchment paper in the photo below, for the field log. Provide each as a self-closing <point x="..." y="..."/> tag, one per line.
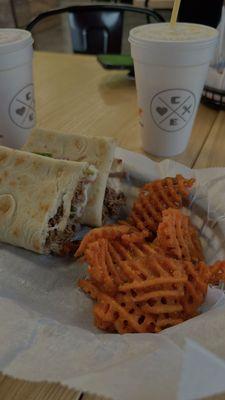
<point x="46" y="326"/>
<point x="198" y="367"/>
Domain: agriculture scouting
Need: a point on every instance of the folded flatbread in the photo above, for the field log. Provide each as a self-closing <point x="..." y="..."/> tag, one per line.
<point x="41" y="199"/>
<point x="98" y="151"/>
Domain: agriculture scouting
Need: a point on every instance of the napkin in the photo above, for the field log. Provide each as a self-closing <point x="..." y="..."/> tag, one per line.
<point x="198" y="368"/>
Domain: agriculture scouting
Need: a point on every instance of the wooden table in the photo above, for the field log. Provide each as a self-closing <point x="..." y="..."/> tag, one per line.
<point x="74" y="94"/>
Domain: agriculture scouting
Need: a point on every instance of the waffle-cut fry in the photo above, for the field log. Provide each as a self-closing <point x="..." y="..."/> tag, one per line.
<point x="100" y="269"/>
<point x="178" y="185"/>
<point x="164" y="323"/>
<point x="217" y="273"/>
<point x="105" y="257"/>
<point x="89" y="288"/>
<point x="126" y="250"/>
<point x="156" y="197"/>
<point x="142" y="286"/>
<point x="158" y="286"/>
<point x="147" y="270"/>
<point x="178" y="238"/>
<point x="111" y="232"/>
<point x="174" y="308"/>
<point x="196" y="287"/>
<point x="103" y="320"/>
<point x="136" y="310"/>
<point x="126" y="317"/>
<point x="158" y="294"/>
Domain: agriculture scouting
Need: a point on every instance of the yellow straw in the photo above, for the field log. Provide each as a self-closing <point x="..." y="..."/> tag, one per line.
<point x="175" y="12"/>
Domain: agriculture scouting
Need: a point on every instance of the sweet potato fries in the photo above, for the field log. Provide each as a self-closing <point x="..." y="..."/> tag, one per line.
<point x="148" y="273"/>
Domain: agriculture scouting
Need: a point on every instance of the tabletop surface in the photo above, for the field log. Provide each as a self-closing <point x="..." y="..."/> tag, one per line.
<point x="74" y="94"/>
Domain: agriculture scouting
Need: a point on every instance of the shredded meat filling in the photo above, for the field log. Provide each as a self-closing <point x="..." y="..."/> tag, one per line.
<point x="113" y="202"/>
<point x="57" y="217"/>
<point x="79" y="193"/>
<point x="61" y="242"/>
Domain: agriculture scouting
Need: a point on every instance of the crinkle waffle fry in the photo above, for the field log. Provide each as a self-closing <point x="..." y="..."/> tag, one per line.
<point x="158" y="308"/>
<point x="115" y="252"/>
<point x="88" y="287"/>
<point x="217" y="273"/>
<point x="105" y="257"/>
<point x="123" y="316"/>
<point x="158" y="293"/>
<point x="140" y="286"/>
<point x="111" y="232"/>
<point x="156" y="197"/>
<point x="177" y="186"/>
<point x="167" y="307"/>
<point x="127" y="313"/>
<point x="164" y="322"/>
<point x="196" y="249"/>
<point x="158" y="301"/>
<point x="143" y="215"/>
<point x="104" y="261"/>
<point x="128" y="260"/>
<point x="178" y="237"/>
<point x="126" y="250"/>
<point x="101" y="267"/>
<point x="143" y="268"/>
<point x="134" y="271"/>
<point x="147" y="284"/>
<point x="126" y="317"/>
<point x="154" y="284"/>
<point x="104" y="316"/>
<point x="120" y="254"/>
<point x="196" y="286"/>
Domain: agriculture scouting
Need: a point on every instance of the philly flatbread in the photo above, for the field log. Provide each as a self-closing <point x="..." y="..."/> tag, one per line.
<point x="105" y="199"/>
<point x="41" y="199"/>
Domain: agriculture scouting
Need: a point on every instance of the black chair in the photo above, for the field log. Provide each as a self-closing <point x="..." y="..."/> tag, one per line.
<point x="206" y="12"/>
<point x="97" y="28"/>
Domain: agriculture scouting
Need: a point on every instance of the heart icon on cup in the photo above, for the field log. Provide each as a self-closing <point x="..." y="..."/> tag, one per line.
<point x="161" y="110"/>
<point x="21" y="108"/>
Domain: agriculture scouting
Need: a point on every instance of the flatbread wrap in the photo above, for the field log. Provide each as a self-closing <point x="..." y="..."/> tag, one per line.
<point x="41" y="199"/>
<point x="98" y="151"/>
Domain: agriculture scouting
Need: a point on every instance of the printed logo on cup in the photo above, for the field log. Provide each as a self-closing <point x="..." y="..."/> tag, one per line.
<point x="172" y="109"/>
<point x="21" y="108"/>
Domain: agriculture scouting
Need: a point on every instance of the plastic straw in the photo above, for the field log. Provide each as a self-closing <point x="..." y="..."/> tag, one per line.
<point x="175" y="12"/>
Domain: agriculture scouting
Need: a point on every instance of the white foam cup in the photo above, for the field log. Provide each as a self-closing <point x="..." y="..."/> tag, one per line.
<point x="171" y="65"/>
<point x="17" y="114"/>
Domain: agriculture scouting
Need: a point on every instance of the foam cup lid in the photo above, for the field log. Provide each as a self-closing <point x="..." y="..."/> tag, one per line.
<point x="14" y="39"/>
<point x="164" y="33"/>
